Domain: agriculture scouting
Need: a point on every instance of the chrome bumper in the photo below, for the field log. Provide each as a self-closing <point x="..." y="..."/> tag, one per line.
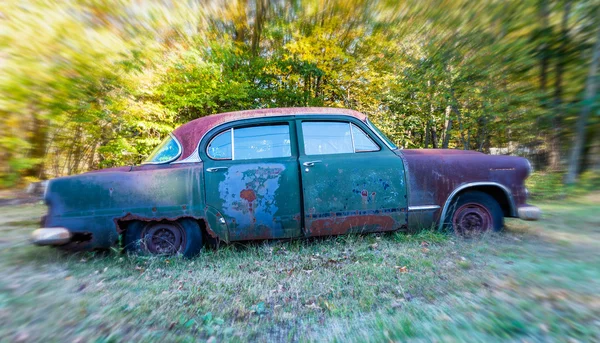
<point x="529" y="212"/>
<point x="51" y="236"/>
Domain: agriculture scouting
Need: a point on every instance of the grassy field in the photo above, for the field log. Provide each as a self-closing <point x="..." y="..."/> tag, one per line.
<point x="535" y="282"/>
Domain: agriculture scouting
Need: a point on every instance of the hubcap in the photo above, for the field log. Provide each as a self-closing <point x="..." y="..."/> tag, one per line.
<point x="163" y="238"/>
<point x="471" y="218"/>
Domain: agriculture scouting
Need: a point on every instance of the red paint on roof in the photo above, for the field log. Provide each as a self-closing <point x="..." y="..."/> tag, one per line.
<point x="189" y="134"/>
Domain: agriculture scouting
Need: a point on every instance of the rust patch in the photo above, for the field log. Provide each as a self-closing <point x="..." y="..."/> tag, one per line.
<point x="341" y="225"/>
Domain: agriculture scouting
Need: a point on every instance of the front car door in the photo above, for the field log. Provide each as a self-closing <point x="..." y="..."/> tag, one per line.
<point x="351" y="181"/>
<point x="251" y="179"/>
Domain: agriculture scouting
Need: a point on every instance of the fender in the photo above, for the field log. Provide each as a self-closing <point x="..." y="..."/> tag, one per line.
<point x="511" y="202"/>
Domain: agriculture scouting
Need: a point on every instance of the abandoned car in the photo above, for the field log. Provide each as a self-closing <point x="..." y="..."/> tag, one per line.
<point x="280" y="173"/>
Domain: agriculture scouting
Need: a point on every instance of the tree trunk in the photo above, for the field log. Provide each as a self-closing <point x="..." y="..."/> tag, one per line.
<point x="259" y="22"/>
<point x="434" y="142"/>
<point x="594" y="154"/>
<point x="459" y="119"/>
<point x="558" y="90"/>
<point x="38" y="143"/>
<point x="545" y="56"/>
<point x="590" y="94"/>
<point x="427" y="132"/>
<point x="446" y="141"/>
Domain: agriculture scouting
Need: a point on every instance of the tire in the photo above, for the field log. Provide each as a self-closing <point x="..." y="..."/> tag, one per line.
<point x="474" y="212"/>
<point x="164" y="238"/>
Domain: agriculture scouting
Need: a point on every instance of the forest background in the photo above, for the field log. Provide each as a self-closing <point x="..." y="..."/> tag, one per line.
<point x="93" y="84"/>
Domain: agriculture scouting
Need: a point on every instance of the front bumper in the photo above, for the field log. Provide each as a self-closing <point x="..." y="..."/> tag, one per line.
<point x="529" y="212"/>
<point x="51" y="236"/>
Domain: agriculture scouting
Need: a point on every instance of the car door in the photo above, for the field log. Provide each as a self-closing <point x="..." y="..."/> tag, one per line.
<point x="351" y="181"/>
<point x="251" y="180"/>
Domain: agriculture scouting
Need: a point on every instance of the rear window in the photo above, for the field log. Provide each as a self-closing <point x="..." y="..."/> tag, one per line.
<point x="168" y="150"/>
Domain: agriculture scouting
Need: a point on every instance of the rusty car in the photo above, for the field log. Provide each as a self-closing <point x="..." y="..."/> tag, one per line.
<point x="280" y="174"/>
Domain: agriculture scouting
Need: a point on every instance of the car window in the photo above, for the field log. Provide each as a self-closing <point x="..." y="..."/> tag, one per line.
<point x="220" y="147"/>
<point x="265" y="141"/>
<point x="362" y="142"/>
<point x="322" y="138"/>
<point x="167" y="151"/>
<point x="261" y="142"/>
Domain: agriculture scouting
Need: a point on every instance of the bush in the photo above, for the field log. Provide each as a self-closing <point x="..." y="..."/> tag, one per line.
<point x="550" y="186"/>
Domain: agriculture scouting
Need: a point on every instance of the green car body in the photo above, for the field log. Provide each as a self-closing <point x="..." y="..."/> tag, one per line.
<point x="271" y="174"/>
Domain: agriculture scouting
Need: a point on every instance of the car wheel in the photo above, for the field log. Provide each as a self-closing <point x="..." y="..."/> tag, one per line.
<point x="164" y="238"/>
<point x="474" y="213"/>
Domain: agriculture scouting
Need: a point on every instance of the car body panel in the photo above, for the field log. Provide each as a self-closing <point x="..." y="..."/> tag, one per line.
<point x="279" y="197"/>
<point x="95" y="203"/>
<point x="434" y="174"/>
<point x="352" y="192"/>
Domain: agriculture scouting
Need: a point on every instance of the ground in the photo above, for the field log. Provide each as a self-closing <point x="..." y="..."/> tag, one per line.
<point x="537" y="281"/>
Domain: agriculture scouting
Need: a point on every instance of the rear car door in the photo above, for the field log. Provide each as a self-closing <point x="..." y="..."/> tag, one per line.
<point x="251" y="180"/>
<point x="351" y="181"/>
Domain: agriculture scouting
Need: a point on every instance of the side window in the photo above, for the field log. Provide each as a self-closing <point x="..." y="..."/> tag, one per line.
<point x="251" y="142"/>
<point x="220" y="147"/>
<point x="261" y="142"/>
<point x="362" y="142"/>
<point x="322" y="138"/>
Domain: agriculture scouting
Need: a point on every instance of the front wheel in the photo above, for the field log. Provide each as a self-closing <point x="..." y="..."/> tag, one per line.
<point x="473" y="213"/>
<point x="164" y="238"/>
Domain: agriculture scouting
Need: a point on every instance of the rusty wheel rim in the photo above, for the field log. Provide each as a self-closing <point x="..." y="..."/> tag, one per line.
<point x="470" y="219"/>
<point x="164" y="238"/>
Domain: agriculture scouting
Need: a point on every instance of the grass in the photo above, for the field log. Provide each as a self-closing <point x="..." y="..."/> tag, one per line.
<point x="535" y="282"/>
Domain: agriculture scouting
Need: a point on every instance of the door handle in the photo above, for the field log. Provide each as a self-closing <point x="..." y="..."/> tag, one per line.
<point x="311" y="163"/>
<point x="215" y="169"/>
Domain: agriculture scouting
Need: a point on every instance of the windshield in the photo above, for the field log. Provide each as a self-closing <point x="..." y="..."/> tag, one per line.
<point x="168" y="150"/>
<point x="381" y="135"/>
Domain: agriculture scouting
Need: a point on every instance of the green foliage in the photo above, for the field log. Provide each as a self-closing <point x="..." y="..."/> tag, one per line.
<point x="93" y="85"/>
<point x="546" y="186"/>
<point x="551" y="186"/>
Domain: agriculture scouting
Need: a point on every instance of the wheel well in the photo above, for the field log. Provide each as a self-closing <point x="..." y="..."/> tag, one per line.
<point x="123" y="225"/>
<point x="494" y="191"/>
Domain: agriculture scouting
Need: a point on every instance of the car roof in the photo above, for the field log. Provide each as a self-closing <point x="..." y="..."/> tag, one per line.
<point x="190" y="134"/>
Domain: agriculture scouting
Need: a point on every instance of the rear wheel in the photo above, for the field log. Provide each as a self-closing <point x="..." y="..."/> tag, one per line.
<point x="164" y="238"/>
<point x="474" y="213"/>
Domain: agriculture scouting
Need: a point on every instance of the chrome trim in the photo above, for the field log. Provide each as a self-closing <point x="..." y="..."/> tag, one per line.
<point x="214" y="169"/>
<point x="174" y="158"/>
<point x="352" y="137"/>
<point x="51" y="236"/>
<point x="476" y="184"/>
<point x="311" y="163"/>
<point x="193" y="158"/>
<point x="529" y="212"/>
<point x="232" y="146"/>
<point x="423" y="208"/>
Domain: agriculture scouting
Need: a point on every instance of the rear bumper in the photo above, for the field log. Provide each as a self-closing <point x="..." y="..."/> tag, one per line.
<point x="51" y="236"/>
<point x="529" y="212"/>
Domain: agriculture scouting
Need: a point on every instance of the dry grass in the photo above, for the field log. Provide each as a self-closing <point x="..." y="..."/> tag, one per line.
<point x="537" y="281"/>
